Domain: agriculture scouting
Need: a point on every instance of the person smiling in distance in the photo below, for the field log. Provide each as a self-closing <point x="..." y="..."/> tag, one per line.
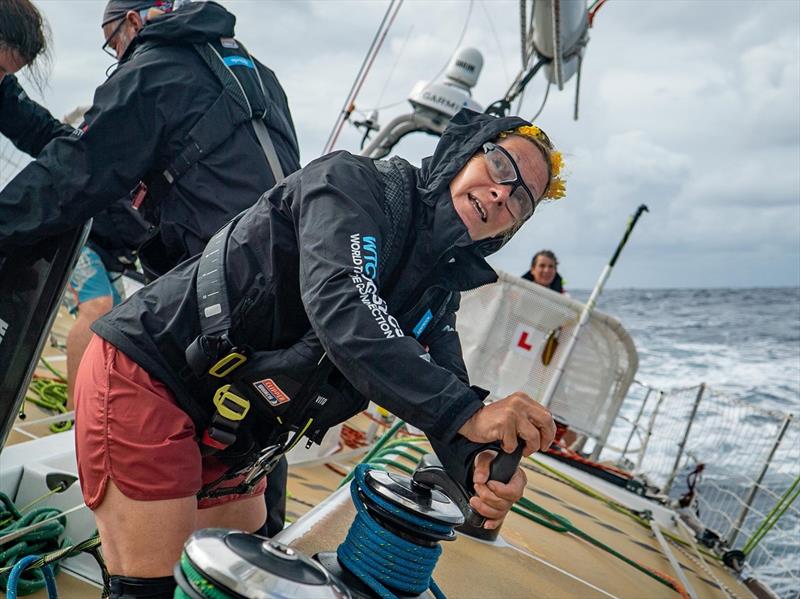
<point x="352" y="262"/>
<point x="544" y="271"/>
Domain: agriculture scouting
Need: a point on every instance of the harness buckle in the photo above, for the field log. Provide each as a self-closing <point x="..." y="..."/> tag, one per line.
<point x="227" y="364"/>
<point x="218" y="439"/>
<point x="229" y="405"/>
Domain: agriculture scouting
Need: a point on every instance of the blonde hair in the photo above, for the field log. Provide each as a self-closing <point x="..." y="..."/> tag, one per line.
<point x="556" y="186"/>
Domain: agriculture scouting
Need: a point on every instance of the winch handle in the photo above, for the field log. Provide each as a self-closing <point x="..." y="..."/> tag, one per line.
<point x="504" y="465"/>
<point x="430" y="473"/>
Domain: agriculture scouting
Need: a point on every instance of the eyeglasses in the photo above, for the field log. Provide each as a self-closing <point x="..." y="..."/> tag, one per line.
<point x="502" y="169"/>
<point x="106" y="47"/>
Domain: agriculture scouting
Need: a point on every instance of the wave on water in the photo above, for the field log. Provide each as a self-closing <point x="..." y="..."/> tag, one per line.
<point x="744" y="342"/>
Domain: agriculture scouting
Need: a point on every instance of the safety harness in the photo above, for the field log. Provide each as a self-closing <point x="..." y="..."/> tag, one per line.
<point x="214" y="354"/>
<point x="243" y="99"/>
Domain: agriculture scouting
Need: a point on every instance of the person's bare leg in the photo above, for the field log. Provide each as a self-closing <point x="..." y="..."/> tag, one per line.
<point x="79" y="336"/>
<point x="245" y="514"/>
<point x="144" y="539"/>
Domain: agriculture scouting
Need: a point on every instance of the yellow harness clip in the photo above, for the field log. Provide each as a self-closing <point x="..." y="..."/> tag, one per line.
<point x="227" y="364"/>
<point x="223" y="399"/>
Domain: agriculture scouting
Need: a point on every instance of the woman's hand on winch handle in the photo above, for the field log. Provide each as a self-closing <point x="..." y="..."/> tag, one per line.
<point x="515" y="416"/>
<point x="493" y="499"/>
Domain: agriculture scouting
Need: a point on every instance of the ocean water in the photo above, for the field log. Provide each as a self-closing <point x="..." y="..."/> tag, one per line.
<point x="745" y="345"/>
<point x="744" y="342"/>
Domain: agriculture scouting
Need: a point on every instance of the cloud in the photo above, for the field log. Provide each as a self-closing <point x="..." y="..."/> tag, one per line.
<point x="691" y="107"/>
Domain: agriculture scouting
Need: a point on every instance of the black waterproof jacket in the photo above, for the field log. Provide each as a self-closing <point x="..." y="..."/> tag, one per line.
<point x="311" y="257"/>
<point x="557" y="284"/>
<point x="139" y="121"/>
<point x="29" y="126"/>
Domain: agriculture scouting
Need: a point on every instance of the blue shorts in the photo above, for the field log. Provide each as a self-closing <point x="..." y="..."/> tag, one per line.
<point x="90" y="280"/>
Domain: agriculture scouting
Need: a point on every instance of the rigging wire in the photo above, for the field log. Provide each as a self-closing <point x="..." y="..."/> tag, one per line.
<point x="523" y="38"/>
<point x="529" y="49"/>
<point x="444" y="67"/>
<point x="366" y="65"/>
<point x="544" y="101"/>
<point x="496" y="39"/>
<point x="458" y="43"/>
<point x="396" y="62"/>
<point x="519" y="102"/>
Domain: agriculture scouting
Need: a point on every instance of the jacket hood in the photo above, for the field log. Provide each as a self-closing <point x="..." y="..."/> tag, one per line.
<point x="464" y="136"/>
<point x="192" y="23"/>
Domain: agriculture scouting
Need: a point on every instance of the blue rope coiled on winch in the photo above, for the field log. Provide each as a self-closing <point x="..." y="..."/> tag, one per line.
<point x="380" y="558"/>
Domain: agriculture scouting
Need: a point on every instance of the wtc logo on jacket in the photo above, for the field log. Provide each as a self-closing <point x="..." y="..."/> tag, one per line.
<point x="364" y="254"/>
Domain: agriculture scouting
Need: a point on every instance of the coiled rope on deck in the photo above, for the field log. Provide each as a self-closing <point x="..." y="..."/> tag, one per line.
<point x="50" y="394"/>
<point x="43" y="539"/>
<point x="19" y="568"/>
<point x="380" y="558"/>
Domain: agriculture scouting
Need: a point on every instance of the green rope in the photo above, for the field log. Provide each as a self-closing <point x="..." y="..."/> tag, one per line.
<point x="41" y="540"/>
<point x="393" y="450"/>
<point x="388" y="462"/>
<point x="384" y="439"/>
<point x="51" y="395"/>
<point x="198" y="582"/>
<point x="51" y="368"/>
<point x="617" y="507"/>
<point x="775" y="514"/>
<point x="532" y="511"/>
<point x="413" y="445"/>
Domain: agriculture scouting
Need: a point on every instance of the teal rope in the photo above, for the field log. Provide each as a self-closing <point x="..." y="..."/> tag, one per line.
<point x="19" y="568"/>
<point x="381" y="559"/>
<point x="41" y="540"/>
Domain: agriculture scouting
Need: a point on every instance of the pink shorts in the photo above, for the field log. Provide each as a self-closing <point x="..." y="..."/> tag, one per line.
<point x="129" y="428"/>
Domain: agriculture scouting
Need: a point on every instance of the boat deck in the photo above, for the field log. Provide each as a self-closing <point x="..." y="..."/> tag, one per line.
<point x="529" y="559"/>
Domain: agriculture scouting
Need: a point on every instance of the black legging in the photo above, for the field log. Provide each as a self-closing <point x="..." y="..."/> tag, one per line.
<point x="275" y="498"/>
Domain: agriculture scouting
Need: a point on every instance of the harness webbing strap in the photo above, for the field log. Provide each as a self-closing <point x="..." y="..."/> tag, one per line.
<point x="212" y="292"/>
<point x="236" y="104"/>
<point x="269" y="148"/>
<point x="254" y="104"/>
<point x="207" y="134"/>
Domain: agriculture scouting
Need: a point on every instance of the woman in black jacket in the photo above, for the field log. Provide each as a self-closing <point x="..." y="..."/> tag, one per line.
<point x="357" y="260"/>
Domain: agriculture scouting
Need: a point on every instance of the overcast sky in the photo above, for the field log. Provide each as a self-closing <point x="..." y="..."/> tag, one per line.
<point x="690" y="107"/>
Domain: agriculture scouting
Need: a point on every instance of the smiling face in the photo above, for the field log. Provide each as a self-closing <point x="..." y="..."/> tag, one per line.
<point x="482" y="203"/>
<point x="544" y="270"/>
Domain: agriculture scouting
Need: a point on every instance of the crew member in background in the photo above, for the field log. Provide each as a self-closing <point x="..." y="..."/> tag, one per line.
<point x="544" y="271"/>
<point x="145" y="138"/>
<point x="23" y="39"/>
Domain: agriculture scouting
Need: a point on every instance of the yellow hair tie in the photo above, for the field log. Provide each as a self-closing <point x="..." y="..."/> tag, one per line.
<point x="557" y="187"/>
